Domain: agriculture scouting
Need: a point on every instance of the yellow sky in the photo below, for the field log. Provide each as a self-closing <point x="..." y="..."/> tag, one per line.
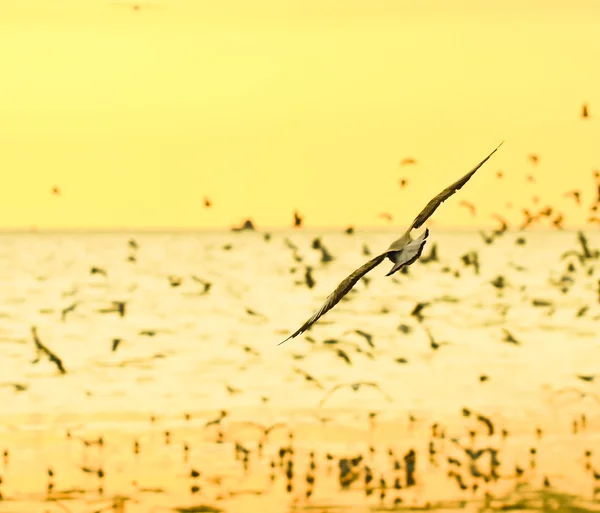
<point x="267" y="106"/>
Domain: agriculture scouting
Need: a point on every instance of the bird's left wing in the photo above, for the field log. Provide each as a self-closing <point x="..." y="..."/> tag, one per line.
<point x="432" y="206"/>
<point x="342" y="289"/>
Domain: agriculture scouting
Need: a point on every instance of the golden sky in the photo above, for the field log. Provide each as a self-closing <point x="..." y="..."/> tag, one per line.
<point x="267" y="106"/>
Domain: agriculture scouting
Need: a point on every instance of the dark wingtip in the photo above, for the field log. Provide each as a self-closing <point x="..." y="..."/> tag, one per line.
<point x="291" y="336"/>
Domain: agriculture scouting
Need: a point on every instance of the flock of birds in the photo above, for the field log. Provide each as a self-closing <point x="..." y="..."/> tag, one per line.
<point x="467" y="460"/>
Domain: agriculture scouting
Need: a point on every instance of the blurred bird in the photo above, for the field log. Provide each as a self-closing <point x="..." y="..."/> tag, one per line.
<point x="407" y="161"/>
<point x="468" y="205"/>
<point x="576" y="196"/>
<point x="355" y="386"/>
<point x="297" y="219"/>
<point x="584" y="111"/>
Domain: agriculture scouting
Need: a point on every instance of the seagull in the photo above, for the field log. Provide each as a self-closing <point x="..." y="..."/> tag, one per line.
<point x="401" y="252"/>
<point x="355" y="387"/>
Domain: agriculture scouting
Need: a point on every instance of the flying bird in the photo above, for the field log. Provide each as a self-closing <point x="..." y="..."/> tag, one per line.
<point x="355" y="387"/>
<point x="297" y="219"/>
<point x="402" y="252"/>
<point x="576" y="196"/>
<point x="584" y="111"/>
<point x="407" y="161"/>
<point x="469" y="205"/>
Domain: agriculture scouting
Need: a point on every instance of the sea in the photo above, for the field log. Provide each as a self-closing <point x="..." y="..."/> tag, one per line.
<point x="489" y="342"/>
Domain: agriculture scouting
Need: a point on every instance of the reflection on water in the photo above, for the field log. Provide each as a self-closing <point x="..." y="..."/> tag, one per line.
<point x="485" y="393"/>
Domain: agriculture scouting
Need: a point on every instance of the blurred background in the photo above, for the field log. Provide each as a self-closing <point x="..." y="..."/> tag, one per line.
<point x="131" y="115"/>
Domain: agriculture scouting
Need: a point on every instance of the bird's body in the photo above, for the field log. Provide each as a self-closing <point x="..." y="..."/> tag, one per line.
<point x="402" y="252"/>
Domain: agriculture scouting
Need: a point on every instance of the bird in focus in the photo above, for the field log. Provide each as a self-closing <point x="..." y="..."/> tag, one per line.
<point x="402" y="252"/>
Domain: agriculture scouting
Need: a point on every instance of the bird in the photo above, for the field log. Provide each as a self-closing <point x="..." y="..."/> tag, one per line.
<point x="407" y="161"/>
<point x="468" y="205"/>
<point x="41" y="348"/>
<point x="68" y="309"/>
<point x="508" y="337"/>
<point x="402" y="252"/>
<point x="585" y="111"/>
<point x="297" y="219"/>
<point x="576" y="195"/>
<point x="355" y="386"/>
<point x="308" y="377"/>
<point x="266" y="430"/>
<point x="135" y="6"/>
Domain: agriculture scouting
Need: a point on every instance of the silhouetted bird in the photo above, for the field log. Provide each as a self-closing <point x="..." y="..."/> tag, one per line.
<point x="585" y="111"/>
<point x="355" y="386"/>
<point x="297" y="220"/>
<point x="402" y="252"/>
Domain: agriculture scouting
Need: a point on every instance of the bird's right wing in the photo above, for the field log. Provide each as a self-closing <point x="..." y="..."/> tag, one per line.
<point x="342" y="289"/>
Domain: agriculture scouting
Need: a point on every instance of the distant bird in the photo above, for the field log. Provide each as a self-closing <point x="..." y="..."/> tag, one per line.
<point x="68" y="309"/>
<point x="386" y="215"/>
<point x="367" y="336"/>
<point x="468" y="205"/>
<point x="403" y="182"/>
<point x="206" y="284"/>
<point x="217" y="421"/>
<point x="207" y="202"/>
<point x="407" y="161"/>
<point x="432" y="343"/>
<point x="402" y="252"/>
<point x="488" y="423"/>
<point x="355" y="386"/>
<point x="508" y="337"/>
<point x="117" y="307"/>
<point x="576" y="196"/>
<point x="499" y="174"/>
<point x="585" y="111"/>
<point x="41" y="348"/>
<point x="308" y="377"/>
<point x="115" y="344"/>
<point x="266" y="430"/>
<point x="558" y="221"/>
<point x="534" y="158"/>
<point x="98" y="270"/>
<point x="588" y="378"/>
<point x="18" y="387"/>
<point x="175" y="281"/>
<point x="419" y="307"/>
<point x="297" y="219"/>
<point x="308" y="277"/>
<point x="133" y="244"/>
<point x="56" y="191"/>
<point x="135" y="6"/>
